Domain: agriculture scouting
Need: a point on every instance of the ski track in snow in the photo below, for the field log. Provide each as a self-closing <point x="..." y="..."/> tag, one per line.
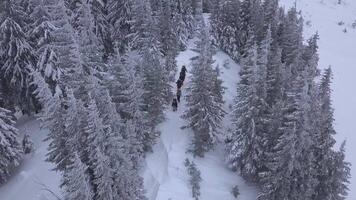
<point x="337" y="49"/>
<point x="31" y="179"/>
<point x="165" y="176"/>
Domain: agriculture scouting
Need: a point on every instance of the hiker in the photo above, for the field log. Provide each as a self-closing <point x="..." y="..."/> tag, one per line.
<point x="182" y="76"/>
<point x="179" y="83"/>
<point x="183" y="73"/>
<point x="184" y="69"/>
<point x="179" y="93"/>
<point x="174" y="104"/>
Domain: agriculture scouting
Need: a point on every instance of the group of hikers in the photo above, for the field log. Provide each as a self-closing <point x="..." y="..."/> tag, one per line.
<point x="179" y="83"/>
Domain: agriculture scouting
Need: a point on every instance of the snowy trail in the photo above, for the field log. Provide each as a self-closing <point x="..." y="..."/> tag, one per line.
<point x="165" y="175"/>
<point x="25" y="184"/>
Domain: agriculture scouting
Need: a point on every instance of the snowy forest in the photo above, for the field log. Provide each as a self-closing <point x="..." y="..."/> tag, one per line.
<point x="101" y="75"/>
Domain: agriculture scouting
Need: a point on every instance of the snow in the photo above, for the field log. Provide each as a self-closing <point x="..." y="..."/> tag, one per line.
<point x="336" y="49"/>
<point x="166" y="176"/>
<point x="34" y="176"/>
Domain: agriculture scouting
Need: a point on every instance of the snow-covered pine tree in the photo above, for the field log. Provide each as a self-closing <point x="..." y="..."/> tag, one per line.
<point x="120" y="18"/>
<point x="53" y="117"/>
<point x="245" y="150"/>
<point x="181" y="29"/>
<point x="102" y="27"/>
<point x="76" y="181"/>
<point x="292" y="37"/>
<point x="157" y="90"/>
<point x="188" y="18"/>
<point x="225" y="26"/>
<point x="271" y="9"/>
<point x="251" y="18"/>
<point x="10" y="148"/>
<point x="168" y="36"/>
<point x="340" y="174"/>
<point x="292" y="156"/>
<point x="195" y="178"/>
<point x="98" y="141"/>
<point x="113" y="173"/>
<point x="75" y="121"/>
<point x="324" y="140"/>
<point x="218" y="88"/>
<point x="90" y="47"/>
<point x="40" y="37"/>
<point x="205" y="107"/>
<point x="17" y="60"/>
<point x="126" y="89"/>
<point x="64" y="43"/>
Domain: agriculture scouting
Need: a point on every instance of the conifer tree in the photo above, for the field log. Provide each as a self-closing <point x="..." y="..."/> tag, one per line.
<point x="120" y="18"/>
<point x="245" y="149"/>
<point x="10" y="148"/>
<point x="324" y="140"/>
<point x="76" y="181"/>
<point x="53" y="117"/>
<point x="17" y="59"/>
<point x="339" y="175"/>
<point x="204" y="101"/>
<point x="225" y="26"/>
<point x="155" y="77"/>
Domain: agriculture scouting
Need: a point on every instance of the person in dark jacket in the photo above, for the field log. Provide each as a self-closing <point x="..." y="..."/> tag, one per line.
<point x="174" y="104"/>
<point x="182" y="76"/>
<point x="182" y="73"/>
<point x="184" y="69"/>
<point x="179" y="93"/>
<point x="179" y="83"/>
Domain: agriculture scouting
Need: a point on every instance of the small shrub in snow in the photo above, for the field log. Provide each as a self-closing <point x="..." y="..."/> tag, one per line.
<point x="195" y="178"/>
<point x="235" y="191"/>
<point x="345" y="30"/>
<point x="340" y="23"/>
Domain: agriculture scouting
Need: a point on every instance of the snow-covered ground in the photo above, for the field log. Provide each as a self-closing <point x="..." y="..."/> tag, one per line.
<point x="166" y="176"/>
<point x="336" y="49"/>
<point x="34" y="179"/>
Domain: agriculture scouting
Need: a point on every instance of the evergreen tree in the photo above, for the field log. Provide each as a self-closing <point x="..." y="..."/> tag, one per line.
<point x="292" y="38"/>
<point x="292" y="156"/>
<point x="120" y="17"/>
<point x="76" y="181"/>
<point x="204" y="101"/>
<point x="188" y="18"/>
<point x="251" y="22"/>
<point x="17" y="60"/>
<point x="168" y="37"/>
<point x="65" y="43"/>
<point x="102" y="27"/>
<point x="339" y="175"/>
<point x="225" y="26"/>
<point x="245" y="151"/>
<point x="53" y="117"/>
<point x="324" y="140"/>
<point x="155" y="77"/>
<point x="10" y="148"/>
<point x="99" y="162"/>
<point x="195" y="178"/>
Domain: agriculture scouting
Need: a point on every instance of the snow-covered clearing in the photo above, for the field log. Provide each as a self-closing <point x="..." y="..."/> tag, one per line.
<point x="34" y="179"/>
<point x="166" y="176"/>
<point x="338" y="49"/>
